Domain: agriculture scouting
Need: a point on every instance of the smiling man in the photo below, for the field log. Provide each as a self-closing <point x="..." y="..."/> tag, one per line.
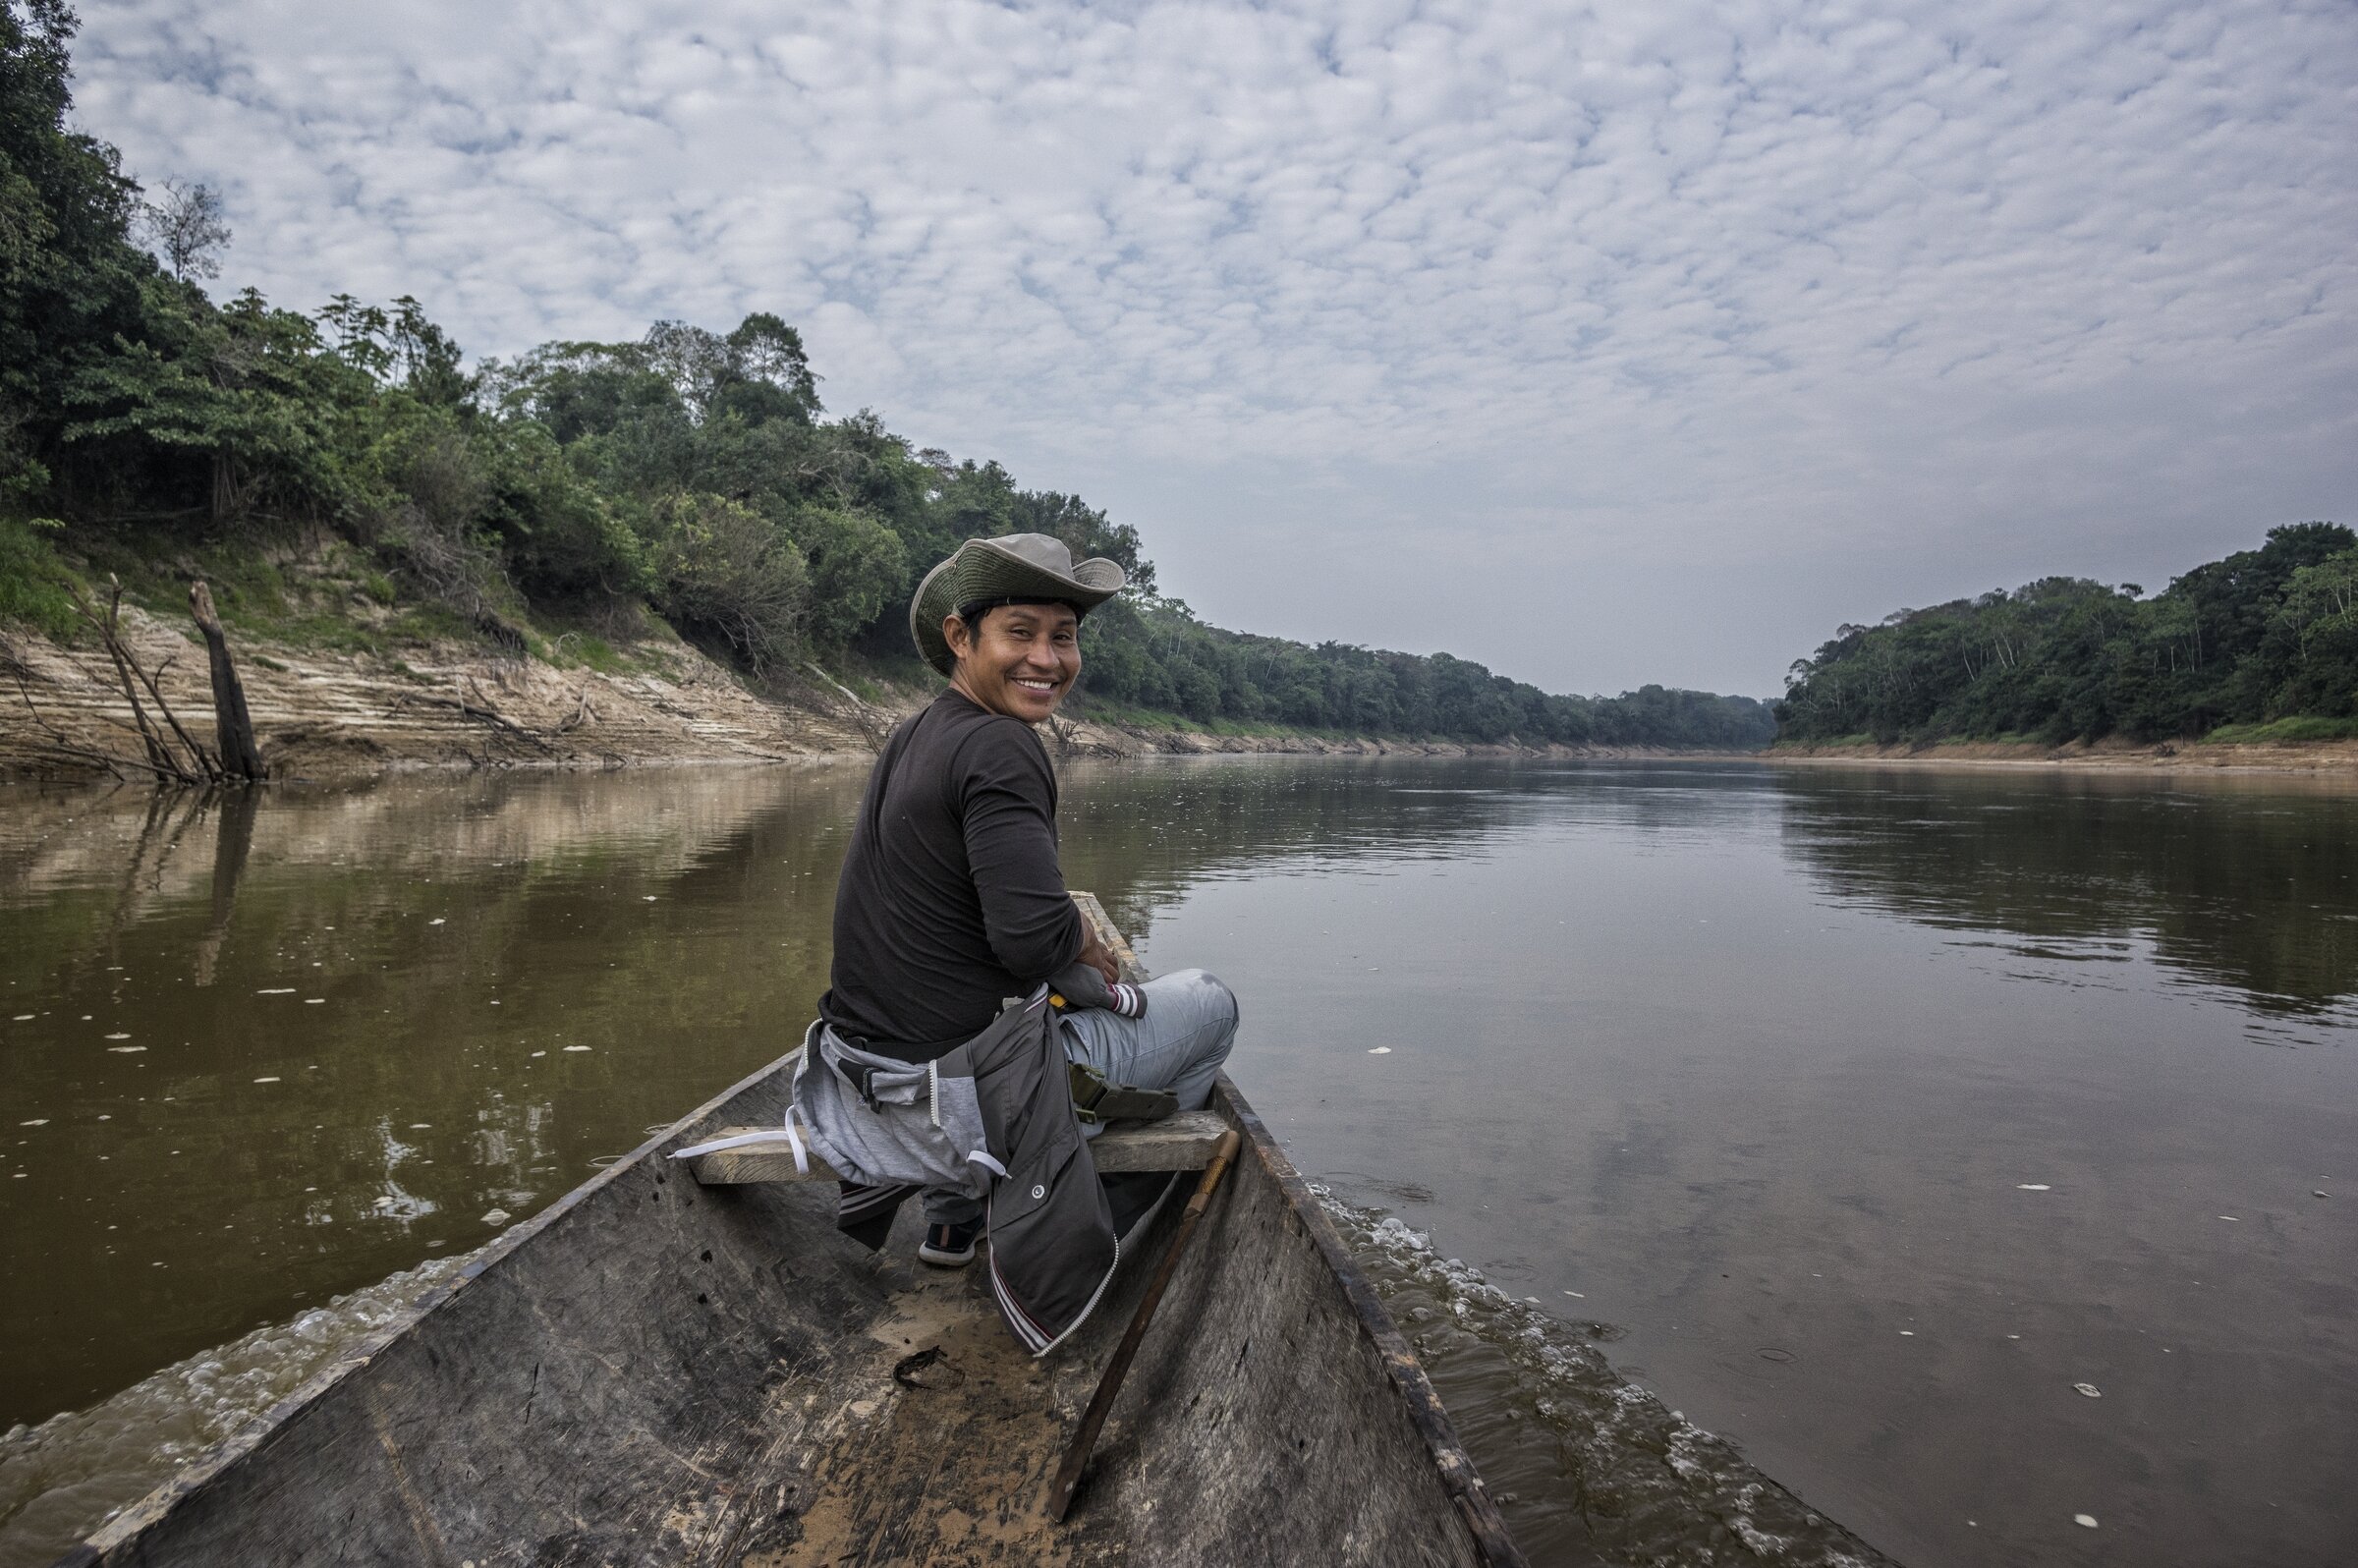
<point x="951" y="901"/>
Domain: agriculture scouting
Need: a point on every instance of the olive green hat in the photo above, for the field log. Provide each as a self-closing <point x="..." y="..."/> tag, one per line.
<point x="1014" y="566"/>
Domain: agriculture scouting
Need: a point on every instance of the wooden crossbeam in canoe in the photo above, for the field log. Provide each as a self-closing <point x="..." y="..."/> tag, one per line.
<point x="1183" y="1142"/>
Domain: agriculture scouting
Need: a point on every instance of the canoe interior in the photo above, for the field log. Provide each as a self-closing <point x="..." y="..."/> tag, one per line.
<point x="653" y="1373"/>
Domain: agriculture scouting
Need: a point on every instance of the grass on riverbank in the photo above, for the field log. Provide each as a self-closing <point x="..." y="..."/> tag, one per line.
<point x="2299" y="729"/>
<point x="313" y="593"/>
<point x="33" y="578"/>
<point x="320" y="594"/>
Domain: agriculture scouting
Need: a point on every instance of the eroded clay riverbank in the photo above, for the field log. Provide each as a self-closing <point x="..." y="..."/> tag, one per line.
<point x="341" y="715"/>
<point x="353" y="714"/>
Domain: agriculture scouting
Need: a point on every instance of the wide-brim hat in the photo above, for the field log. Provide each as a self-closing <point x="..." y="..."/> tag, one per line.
<point x="1013" y="566"/>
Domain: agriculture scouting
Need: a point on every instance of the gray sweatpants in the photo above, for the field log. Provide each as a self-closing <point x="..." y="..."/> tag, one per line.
<point x="1179" y="1046"/>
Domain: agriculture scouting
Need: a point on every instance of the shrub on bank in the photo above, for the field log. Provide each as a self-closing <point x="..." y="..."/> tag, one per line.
<point x="32" y="580"/>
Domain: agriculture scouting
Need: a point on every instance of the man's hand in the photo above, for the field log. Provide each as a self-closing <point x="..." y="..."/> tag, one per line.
<point x="1093" y="953"/>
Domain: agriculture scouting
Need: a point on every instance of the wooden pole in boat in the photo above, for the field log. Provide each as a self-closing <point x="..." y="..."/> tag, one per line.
<point x="1101" y="1404"/>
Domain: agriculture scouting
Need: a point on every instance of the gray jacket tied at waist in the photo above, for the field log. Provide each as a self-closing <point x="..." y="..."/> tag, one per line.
<point x="994" y="1116"/>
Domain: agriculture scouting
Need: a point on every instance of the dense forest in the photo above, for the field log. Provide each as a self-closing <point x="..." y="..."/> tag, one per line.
<point x="692" y="474"/>
<point x="2262" y="644"/>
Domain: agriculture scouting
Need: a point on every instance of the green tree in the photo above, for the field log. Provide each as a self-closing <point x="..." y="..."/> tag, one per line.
<point x="561" y="536"/>
<point x="247" y="392"/>
<point x="2320" y="617"/>
<point x="722" y="569"/>
<point x="856" y="568"/>
<point x="70" y="281"/>
<point x="2065" y="658"/>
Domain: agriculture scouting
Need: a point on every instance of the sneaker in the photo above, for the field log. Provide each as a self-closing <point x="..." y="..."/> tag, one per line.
<point x="949" y="1246"/>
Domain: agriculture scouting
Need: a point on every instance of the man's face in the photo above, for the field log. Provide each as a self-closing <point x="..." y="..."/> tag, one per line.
<point x="1023" y="663"/>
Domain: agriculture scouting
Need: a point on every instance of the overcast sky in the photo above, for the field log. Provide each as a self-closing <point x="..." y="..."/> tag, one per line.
<point x="1604" y="344"/>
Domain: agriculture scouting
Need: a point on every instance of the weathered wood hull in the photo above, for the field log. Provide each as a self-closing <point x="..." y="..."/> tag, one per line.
<point x="654" y="1373"/>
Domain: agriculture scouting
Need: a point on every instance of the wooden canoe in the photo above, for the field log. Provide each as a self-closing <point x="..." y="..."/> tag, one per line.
<point x="653" y="1370"/>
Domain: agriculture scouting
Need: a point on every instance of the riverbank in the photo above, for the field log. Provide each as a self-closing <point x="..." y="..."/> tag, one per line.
<point x="453" y="704"/>
<point x="2323" y="757"/>
<point x="447" y="704"/>
<point x="428" y="703"/>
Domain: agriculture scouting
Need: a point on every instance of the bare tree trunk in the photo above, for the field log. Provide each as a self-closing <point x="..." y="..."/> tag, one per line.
<point x="233" y="726"/>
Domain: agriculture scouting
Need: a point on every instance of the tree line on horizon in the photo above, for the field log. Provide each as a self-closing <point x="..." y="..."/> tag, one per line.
<point x="690" y="474"/>
<point x="2260" y="645"/>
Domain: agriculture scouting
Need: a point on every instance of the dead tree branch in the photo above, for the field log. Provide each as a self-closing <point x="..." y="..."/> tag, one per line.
<point x="196" y="765"/>
<point x="108" y="626"/>
<point x="875" y="726"/>
<point x="582" y="714"/>
<point x="484" y="714"/>
<point x="65" y="748"/>
<point x="206" y="767"/>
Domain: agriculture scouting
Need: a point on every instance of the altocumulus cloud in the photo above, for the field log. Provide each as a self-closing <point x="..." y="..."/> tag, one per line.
<point x="1604" y="344"/>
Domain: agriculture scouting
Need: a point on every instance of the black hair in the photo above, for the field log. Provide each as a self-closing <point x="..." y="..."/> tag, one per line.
<point x="971" y="613"/>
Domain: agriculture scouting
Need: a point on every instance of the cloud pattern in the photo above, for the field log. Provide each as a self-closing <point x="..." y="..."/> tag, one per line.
<point x="1604" y="342"/>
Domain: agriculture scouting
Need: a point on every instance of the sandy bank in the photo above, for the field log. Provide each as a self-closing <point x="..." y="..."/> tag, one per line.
<point x="2332" y="759"/>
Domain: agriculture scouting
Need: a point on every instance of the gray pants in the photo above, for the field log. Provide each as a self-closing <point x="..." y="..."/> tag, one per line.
<point x="1179" y="1046"/>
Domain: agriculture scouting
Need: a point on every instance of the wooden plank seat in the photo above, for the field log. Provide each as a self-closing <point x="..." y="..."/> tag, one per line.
<point x="1183" y="1142"/>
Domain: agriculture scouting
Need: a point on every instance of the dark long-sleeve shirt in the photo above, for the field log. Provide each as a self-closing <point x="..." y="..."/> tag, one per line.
<point x="951" y="899"/>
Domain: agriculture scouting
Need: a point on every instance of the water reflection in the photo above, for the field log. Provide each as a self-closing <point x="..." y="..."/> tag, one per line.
<point x="2248" y="890"/>
<point x="233" y="841"/>
<point x="264" y="1049"/>
<point x="1143" y="836"/>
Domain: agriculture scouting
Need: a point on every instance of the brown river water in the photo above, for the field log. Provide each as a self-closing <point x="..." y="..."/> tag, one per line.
<point x="1860" y="1116"/>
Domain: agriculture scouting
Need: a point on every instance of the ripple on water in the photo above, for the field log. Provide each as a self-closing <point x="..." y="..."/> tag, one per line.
<point x="65" y="1478"/>
<point x="1584" y="1463"/>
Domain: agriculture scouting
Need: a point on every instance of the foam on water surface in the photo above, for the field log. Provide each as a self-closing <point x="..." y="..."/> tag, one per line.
<point x="1585" y="1464"/>
<point x="63" y="1479"/>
